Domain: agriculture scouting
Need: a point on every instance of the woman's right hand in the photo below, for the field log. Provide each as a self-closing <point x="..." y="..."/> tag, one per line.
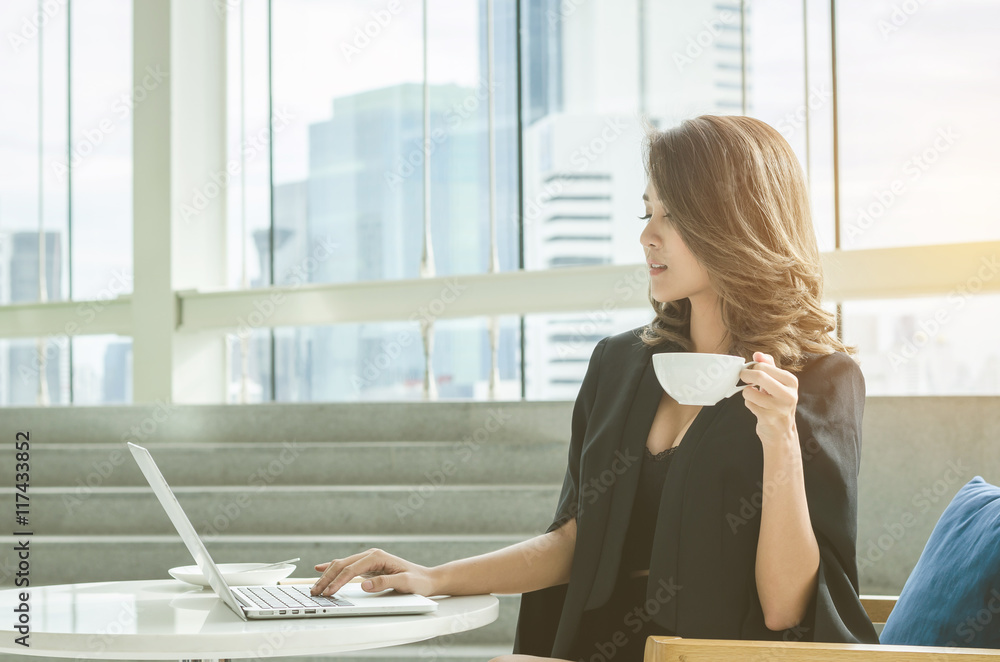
<point x="381" y="570"/>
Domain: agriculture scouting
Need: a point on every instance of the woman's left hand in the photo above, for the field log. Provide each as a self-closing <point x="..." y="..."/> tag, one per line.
<point x="771" y="395"/>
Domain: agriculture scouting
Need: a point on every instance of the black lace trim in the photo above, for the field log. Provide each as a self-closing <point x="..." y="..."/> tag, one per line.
<point x="659" y="456"/>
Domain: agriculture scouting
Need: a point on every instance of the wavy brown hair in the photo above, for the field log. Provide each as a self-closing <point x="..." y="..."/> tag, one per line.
<point x="738" y="199"/>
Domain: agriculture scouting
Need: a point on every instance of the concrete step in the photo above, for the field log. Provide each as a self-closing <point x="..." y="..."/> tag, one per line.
<point x="459" y="420"/>
<point x="71" y="559"/>
<point x="80" y="559"/>
<point x="277" y="509"/>
<point x="92" y="465"/>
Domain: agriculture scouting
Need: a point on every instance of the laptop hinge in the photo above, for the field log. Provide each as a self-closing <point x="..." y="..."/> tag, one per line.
<point x="245" y="601"/>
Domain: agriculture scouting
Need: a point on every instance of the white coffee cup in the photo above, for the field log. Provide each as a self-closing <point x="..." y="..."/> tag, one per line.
<point x="699" y="378"/>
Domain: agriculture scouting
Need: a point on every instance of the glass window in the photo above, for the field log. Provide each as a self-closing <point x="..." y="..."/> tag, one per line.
<point x="918" y="86"/>
<point x="100" y="156"/>
<point x="381" y="361"/>
<point x="249" y="372"/>
<point x="42" y="163"/>
<point x="558" y="347"/>
<point x="33" y="180"/>
<point x="348" y="135"/>
<point x="33" y="371"/>
<point x="102" y="370"/>
<point x="582" y="170"/>
<point x="462" y="361"/>
<point x="65" y="172"/>
<point x="326" y="120"/>
<point x="928" y="345"/>
<point x="348" y="172"/>
<point x="248" y="193"/>
<point x="819" y="133"/>
<point x="796" y="101"/>
<point x="593" y="69"/>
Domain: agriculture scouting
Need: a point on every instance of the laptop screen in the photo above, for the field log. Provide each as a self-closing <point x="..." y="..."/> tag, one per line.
<point x="183" y="525"/>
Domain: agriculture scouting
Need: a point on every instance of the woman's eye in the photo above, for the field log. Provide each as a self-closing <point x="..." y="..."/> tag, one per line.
<point x="646" y="217"/>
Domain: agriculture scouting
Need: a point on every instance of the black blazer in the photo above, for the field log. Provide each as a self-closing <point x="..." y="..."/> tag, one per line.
<point x="701" y="575"/>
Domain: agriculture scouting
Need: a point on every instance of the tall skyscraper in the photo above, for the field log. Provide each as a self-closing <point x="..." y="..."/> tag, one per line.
<point x="583" y="176"/>
<point x="364" y="195"/>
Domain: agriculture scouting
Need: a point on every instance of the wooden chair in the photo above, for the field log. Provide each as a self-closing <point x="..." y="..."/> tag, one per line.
<point x="878" y="607"/>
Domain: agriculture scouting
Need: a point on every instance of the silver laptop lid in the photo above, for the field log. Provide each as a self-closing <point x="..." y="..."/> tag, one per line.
<point x="184" y="526"/>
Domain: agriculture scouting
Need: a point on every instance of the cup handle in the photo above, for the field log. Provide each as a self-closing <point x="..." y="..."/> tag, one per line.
<point x="737" y="389"/>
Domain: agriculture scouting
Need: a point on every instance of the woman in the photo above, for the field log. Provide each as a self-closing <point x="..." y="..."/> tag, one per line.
<point x="736" y="520"/>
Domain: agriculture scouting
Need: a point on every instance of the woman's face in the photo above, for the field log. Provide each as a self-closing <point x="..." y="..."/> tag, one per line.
<point x="683" y="277"/>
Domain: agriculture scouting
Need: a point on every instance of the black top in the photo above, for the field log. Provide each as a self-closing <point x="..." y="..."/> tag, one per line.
<point x="617" y="630"/>
<point x="707" y="527"/>
<point x="642" y="522"/>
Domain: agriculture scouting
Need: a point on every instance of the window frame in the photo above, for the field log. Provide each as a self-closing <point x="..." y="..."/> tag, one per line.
<point x="189" y="319"/>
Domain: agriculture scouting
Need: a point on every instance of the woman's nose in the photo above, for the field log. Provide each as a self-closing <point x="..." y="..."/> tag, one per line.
<point x="647" y="238"/>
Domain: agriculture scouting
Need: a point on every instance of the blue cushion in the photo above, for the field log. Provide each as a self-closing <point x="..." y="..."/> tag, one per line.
<point x="952" y="597"/>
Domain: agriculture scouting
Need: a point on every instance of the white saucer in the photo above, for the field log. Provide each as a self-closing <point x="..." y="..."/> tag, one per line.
<point x="235" y="574"/>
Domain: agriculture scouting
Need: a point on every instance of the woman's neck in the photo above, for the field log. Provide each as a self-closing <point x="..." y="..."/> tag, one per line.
<point x="708" y="333"/>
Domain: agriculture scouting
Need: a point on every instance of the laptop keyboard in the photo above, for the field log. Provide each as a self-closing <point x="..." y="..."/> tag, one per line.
<point x="291" y="596"/>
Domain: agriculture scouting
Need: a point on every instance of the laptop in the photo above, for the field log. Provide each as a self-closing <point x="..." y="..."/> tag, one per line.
<point x="273" y="601"/>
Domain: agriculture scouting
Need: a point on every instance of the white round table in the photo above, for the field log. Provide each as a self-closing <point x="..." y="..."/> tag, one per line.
<point x="169" y="619"/>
